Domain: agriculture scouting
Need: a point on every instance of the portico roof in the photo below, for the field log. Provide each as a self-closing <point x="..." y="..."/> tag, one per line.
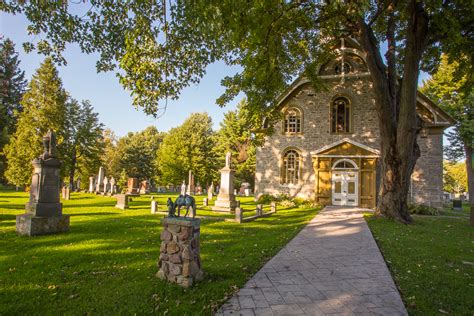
<point x="346" y="148"/>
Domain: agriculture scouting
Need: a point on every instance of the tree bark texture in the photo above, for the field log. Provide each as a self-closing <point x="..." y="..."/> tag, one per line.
<point x="396" y="110"/>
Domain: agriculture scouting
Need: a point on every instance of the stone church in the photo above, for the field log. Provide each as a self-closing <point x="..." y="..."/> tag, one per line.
<point x="326" y="147"/>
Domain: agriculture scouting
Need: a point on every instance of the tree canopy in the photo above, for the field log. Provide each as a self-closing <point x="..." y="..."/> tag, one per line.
<point x="159" y="48"/>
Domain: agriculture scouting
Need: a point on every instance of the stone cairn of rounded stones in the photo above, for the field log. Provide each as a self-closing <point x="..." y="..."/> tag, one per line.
<point x="180" y="260"/>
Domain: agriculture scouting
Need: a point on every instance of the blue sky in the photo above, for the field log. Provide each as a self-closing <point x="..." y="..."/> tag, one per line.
<point x="109" y="99"/>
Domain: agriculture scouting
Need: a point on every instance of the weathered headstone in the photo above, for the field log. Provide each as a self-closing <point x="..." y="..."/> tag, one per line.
<point x="198" y="189"/>
<point x="154" y="206"/>
<point x="180" y="260"/>
<point x="132" y="186"/>
<point x="91" y="184"/>
<point x="122" y="201"/>
<point x="44" y="211"/>
<point x="100" y="180"/>
<point x="205" y="202"/>
<point x="239" y="215"/>
<point x="457" y="205"/>
<point x="113" y="187"/>
<point x="78" y="184"/>
<point x="190" y="188"/>
<point x="106" y="185"/>
<point x="66" y="194"/>
<point x="144" y="187"/>
<point x="210" y="192"/>
<point x="226" y="199"/>
<point x="183" y="188"/>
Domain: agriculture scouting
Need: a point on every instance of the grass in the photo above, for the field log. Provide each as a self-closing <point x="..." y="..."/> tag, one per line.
<point x="448" y="210"/>
<point x="107" y="263"/>
<point x="432" y="262"/>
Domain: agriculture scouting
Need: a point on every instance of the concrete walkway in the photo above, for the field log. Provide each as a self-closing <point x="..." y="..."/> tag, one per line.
<point x="332" y="267"/>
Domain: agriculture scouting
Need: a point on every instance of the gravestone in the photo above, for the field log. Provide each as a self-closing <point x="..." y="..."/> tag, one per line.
<point x="144" y="187"/>
<point x="66" y="194"/>
<point x="100" y="180"/>
<point x="210" y="192"/>
<point x="190" y="189"/>
<point x="183" y="188"/>
<point x="78" y="184"/>
<point x="91" y="184"/>
<point x="226" y="199"/>
<point x="122" y="201"/>
<point x="113" y="187"/>
<point x="154" y="206"/>
<point x="106" y="185"/>
<point x="132" y="186"/>
<point x="44" y="211"/>
<point x="239" y="215"/>
<point x="457" y="205"/>
<point x="205" y="202"/>
<point x="180" y="260"/>
<point x="198" y="189"/>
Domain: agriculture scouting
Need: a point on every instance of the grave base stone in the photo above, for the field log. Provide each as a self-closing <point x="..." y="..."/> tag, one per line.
<point x="180" y="260"/>
<point x="30" y="225"/>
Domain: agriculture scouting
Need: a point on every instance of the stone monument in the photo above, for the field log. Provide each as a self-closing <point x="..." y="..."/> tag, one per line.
<point x="226" y="199"/>
<point x="132" y="186"/>
<point x="122" y="201"/>
<point x="91" y="184"/>
<point x="183" y="188"/>
<point x="106" y="185"/>
<point x="100" y="180"/>
<point x="210" y="192"/>
<point x="113" y="187"/>
<point x="190" y="189"/>
<point x="43" y="211"/>
<point x="180" y="260"/>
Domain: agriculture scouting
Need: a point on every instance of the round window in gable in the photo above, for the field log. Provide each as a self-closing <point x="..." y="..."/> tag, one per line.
<point x="340" y="67"/>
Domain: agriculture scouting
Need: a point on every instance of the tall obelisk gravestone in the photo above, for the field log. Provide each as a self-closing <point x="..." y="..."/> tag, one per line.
<point x="226" y="199"/>
<point x="44" y="212"/>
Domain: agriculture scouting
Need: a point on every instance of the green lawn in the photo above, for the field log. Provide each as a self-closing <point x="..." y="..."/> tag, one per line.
<point x="106" y="264"/>
<point x="448" y="210"/>
<point x="432" y="262"/>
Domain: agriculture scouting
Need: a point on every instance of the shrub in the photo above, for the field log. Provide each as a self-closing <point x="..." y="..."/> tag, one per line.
<point x="265" y="199"/>
<point x="422" y="209"/>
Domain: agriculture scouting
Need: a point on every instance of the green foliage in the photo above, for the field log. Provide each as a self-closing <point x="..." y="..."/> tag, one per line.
<point x="188" y="147"/>
<point x="123" y="180"/>
<point x="430" y="261"/>
<point x="455" y="95"/>
<point x="12" y="87"/>
<point x="83" y="144"/>
<point x="235" y="136"/>
<point x="107" y="263"/>
<point x="454" y="177"/>
<point x="44" y="107"/>
<point x="286" y="201"/>
<point x="422" y="209"/>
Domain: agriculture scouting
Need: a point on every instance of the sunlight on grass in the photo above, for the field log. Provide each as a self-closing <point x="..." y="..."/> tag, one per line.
<point x="106" y="264"/>
<point x="432" y="262"/>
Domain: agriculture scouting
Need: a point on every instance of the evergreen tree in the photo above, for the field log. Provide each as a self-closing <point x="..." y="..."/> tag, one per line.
<point x="12" y="87"/>
<point x="235" y="136"/>
<point x="82" y="145"/>
<point x="44" y="107"/>
<point x="188" y="147"/>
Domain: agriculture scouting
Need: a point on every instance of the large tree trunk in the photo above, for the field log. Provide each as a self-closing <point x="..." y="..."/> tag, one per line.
<point x="395" y="102"/>
<point x="470" y="176"/>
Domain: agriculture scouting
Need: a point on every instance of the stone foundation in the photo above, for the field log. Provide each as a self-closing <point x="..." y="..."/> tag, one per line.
<point x="180" y="260"/>
<point x="30" y="225"/>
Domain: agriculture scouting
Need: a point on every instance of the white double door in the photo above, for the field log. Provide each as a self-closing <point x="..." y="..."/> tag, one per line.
<point x="344" y="188"/>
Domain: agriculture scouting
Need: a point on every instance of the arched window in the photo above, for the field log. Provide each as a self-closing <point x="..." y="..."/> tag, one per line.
<point x="293" y="119"/>
<point x="344" y="164"/>
<point x="341" y="116"/>
<point x="291" y="167"/>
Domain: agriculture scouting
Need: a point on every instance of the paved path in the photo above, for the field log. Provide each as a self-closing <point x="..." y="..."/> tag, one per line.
<point x="333" y="266"/>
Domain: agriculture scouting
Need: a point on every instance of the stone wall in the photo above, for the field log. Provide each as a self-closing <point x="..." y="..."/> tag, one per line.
<point x="316" y="133"/>
<point x="427" y="177"/>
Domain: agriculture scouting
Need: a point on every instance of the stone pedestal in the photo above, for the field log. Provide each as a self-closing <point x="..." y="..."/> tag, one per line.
<point x="180" y="260"/>
<point x="226" y="199"/>
<point x="44" y="213"/>
<point x="154" y="207"/>
<point x="122" y="201"/>
<point x="239" y="215"/>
